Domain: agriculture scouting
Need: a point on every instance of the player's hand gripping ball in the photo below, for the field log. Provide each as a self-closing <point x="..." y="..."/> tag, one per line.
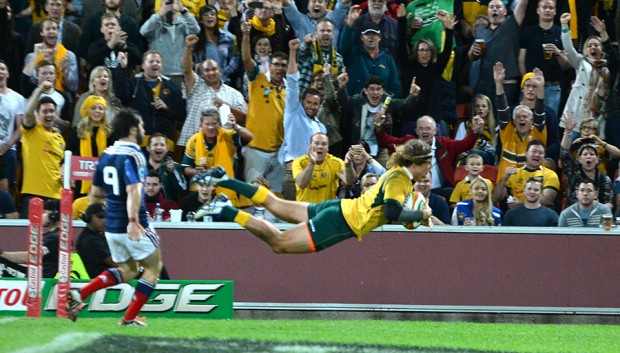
<point x="414" y="201"/>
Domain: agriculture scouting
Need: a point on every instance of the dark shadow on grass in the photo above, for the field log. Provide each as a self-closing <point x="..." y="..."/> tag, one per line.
<point x="174" y="345"/>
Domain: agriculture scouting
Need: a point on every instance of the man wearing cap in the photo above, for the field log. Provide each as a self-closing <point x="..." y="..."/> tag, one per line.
<point x="530" y="94"/>
<point x="91" y="244"/>
<point x="585" y="166"/>
<point x="369" y="59"/>
<point x="524" y="125"/>
<point x="387" y="25"/>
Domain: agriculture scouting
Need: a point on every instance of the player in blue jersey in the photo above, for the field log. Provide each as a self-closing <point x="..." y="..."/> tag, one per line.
<point x="120" y="175"/>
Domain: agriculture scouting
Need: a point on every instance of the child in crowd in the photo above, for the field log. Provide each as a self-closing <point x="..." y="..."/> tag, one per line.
<point x="474" y="166"/>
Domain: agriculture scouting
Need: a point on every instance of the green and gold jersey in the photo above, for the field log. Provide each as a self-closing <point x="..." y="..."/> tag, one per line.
<point x="365" y="213"/>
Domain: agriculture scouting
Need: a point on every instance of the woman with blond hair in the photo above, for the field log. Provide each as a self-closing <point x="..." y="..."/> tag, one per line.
<point x="485" y="146"/>
<point x="92" y="135"/>
<point x="99" y="84"/>
<point x="479" y="211"/>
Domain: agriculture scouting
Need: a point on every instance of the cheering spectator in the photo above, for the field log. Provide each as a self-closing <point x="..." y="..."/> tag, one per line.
<point x="92" y="27"/>
<point x="215" y="146"/>
<point x="51" y="50"/>
<point x="46" y="71"/>
<point x="584" y="167"/>
<point x="69" y="32"/>
<point x="446" y="150"/>
<point x="154" y="96"/>
<point x="164" y="31"/>
<point x="485" y="146"/>
<point x="591" y="85"/>
<point x="92" y="135"/>
<point x="12" y="106"/>
<point x="266" y="94"/>
<point x="267" y="19"/>
<point x="524" y="126"/>
<point x="206" y="91"/>
<point x="316" y="51"/>
<point x="107" y="50"/>
<point x="533" y="90"/>
<point x="359" y="157"/>
<point x="170" y="173"/>
<point x="42" y="149"/>
<point x="99" y="84"/>
<point x="300" y="121"/>
<point x="427" y="65"/>
<point x="388" y="26"/>
<point x="305" y="24"/>
<point x="541" y="47"/>
<point x="474" y="166"/>
<point x="513" y="180"/>
<point x="318" y="174"/>
<point x="369" y="59"/>
<point x="499" y="43"/>
<point x="213" y="42"/>
<point x="367" y="114"/>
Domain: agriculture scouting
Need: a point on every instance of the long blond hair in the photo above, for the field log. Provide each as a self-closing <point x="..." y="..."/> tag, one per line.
<point x="489" y="120"/>
<point x="85" y="126"/>
<point x="484" y="216"/>
<point x="109" y="94"/>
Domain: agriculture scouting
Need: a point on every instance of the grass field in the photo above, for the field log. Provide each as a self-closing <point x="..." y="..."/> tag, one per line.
<point x="49" y="335"/>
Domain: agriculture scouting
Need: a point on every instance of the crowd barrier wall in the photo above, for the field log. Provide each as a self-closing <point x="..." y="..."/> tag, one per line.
<point x="500" y="266"/>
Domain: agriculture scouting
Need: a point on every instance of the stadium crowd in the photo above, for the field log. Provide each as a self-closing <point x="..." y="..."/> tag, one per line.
<point x="519" y="100"/>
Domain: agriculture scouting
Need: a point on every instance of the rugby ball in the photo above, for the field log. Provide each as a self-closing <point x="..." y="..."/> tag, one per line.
<point x="414" y="201"/>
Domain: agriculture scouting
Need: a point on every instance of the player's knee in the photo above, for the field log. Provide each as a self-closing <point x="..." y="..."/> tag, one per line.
<point x="278" y="249"/>
<point x="129" y="274"/>
<point x="278" y="246"/>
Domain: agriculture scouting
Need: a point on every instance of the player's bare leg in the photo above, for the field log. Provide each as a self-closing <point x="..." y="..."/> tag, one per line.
<point x="286" y="210"/>
<point x="289" y="211"/>
<point x="295" y="240"/>
<point x="145" y="287"/>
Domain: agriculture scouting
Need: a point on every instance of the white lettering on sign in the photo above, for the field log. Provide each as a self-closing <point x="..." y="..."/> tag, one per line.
<point x="13" y="295"/>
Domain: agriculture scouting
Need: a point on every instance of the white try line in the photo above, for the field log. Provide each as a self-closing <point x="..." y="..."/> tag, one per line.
<point x="7" y="320"/>
<point x="63" y="343"/>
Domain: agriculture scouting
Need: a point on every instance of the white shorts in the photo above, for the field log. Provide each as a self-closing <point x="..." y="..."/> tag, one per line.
<point x="123" y="249"/>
